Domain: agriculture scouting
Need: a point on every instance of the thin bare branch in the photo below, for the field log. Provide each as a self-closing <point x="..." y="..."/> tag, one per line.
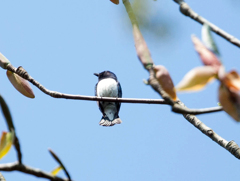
<point x="231" y="146"/>
<point x="23" y="73"/>
<point x="184" y="110"/>
<point x="18" y="149"/>
<point x="187" y="11"/>
<point x="9" y="120"/>
<point x="60" y="162"/>
<point x="29" y="170"/>
<point x="177" y="109"/>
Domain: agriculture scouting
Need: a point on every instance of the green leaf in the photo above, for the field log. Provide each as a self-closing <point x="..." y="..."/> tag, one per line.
<point x="208" y="39"/>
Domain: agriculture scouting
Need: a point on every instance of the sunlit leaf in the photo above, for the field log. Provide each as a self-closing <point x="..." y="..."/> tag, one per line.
<point x="3" y="61"/>
<point x="229" y="94"/>
<point x="197" y="78"/>
<point x="208" y="39"/>
<point x="165" y="80"/>
<point x="206" y="55"/>
<point x="141" y="48"/>
<point x="115" y="1"/>
<point x="232" y="80"/>
<point x="56" y="170"/>
<point x="20" y="84"/>
<point x="6" y="143"/>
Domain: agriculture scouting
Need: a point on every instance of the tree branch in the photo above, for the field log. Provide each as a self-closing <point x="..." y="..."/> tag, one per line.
<point x="187" y="11"/>
<point x="32" y="171"/>
<point x="177" y="109"/>
<point x="23" y="73"/>
<point x="184" y="110"/>
<point x="9" y="121"/>
<point x="61" y="164"/>
<point x="144" y="54"/>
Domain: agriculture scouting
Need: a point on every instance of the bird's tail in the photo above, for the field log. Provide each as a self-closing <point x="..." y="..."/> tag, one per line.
<point x="106" y="122"/>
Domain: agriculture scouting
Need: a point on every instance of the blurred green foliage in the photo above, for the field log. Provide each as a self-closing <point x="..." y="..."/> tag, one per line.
<point x="151" y="19"/>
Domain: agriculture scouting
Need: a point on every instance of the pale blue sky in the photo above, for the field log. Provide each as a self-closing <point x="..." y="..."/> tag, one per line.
<point x="62" y="43"/>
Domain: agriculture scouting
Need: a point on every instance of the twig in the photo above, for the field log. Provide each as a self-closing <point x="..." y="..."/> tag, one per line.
<point x="23" y="73"/>
<point x="61" y="164"/>
<point x="184" y="110"/>
<point x="187" y="11"/>
<point x="8" y="117"/>
<point x="32" y="171"/>
<point x="231" y="146"/>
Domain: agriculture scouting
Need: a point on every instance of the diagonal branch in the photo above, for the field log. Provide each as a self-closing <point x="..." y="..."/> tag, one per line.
<point x="144" y="56"/>
<point x="61" y="164"/>
<point x="187" y="11"/>
<point x="29" y="170"/>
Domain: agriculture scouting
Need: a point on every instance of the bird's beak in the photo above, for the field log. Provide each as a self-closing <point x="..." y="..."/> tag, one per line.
<point x="96" y="74"/>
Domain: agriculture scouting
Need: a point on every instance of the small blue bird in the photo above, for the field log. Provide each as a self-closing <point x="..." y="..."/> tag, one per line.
<point x="108" y="86"/>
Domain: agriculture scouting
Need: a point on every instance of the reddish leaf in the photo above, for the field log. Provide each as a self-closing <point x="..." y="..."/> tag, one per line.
<point x="141" y="47"/>
<point x="115" y="1"/>
<point x="20" y="84"/>
<point x="229" y="94"/>
<point x="165" y="81"/>
<point x="206" y="55"/>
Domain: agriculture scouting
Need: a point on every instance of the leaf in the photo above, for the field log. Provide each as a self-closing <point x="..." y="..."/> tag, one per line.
<point x="20" y="84"/>
<point x="197" y="78"/>
<point x="165" y="80"/>
<point x="3" y="61"/>
<point x="115" y="1"/>
<point x="56" y="170"/>
<point x="208" y="39"/>
<point x="232" y="80"/>
<point x="141" y="47"/>
<point x="229" y="96"/>
<point x="206" y="55"/>
<point x="6" y="143"/>
<point x="6" y="113"/>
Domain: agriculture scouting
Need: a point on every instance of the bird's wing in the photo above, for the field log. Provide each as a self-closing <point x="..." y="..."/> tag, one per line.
<point x="118" y="104"/>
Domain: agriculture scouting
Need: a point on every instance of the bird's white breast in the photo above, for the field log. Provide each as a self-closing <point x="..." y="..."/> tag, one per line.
<point x="107" y="88"/>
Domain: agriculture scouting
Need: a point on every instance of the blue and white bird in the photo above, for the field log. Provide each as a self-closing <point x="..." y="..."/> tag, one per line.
<point x="108" y="86"/>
